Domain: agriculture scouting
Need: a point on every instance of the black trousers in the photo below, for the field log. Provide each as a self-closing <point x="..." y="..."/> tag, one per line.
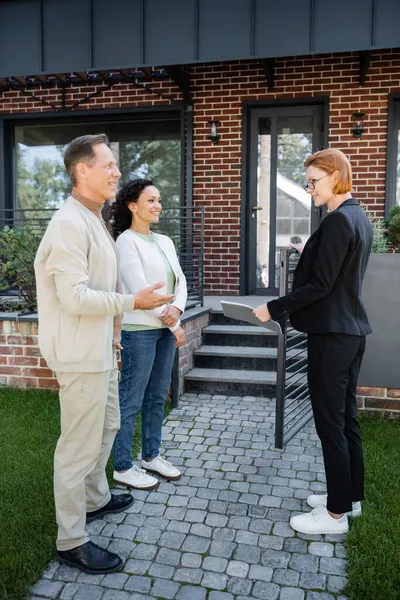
<point x="334" y="362"/>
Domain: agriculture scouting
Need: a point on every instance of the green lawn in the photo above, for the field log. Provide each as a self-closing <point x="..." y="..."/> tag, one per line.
<point x="29" y="428"/>
<point x="373" y="544"/>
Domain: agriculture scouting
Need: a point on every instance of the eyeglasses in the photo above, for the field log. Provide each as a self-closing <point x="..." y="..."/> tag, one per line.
<point x="310" y="185"/>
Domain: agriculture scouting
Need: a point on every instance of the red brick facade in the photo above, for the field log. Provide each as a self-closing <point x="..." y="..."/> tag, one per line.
<point x="218" y="90"/>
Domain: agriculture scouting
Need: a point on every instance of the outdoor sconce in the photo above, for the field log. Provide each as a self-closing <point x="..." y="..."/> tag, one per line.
<point x="358" y="125"/>
<point x="214" y="137"/>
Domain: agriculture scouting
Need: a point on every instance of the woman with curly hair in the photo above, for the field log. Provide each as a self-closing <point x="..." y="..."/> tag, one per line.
<point x="149" y="338"/>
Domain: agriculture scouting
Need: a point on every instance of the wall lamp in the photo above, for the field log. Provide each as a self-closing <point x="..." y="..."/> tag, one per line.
<point x="214" y="136"/>
<point x="358" y="125"/>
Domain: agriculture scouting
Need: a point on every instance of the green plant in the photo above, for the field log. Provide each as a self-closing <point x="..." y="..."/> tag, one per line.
<point x="393" y="226"/>
<point x="380" y="242"/>
<point x="18" y="249"/>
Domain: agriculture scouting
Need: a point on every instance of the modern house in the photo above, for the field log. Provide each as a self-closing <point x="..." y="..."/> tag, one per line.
<point x="219" y="101"/>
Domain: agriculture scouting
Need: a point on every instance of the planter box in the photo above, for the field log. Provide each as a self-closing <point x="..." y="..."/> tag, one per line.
<point x="381" y="293"/>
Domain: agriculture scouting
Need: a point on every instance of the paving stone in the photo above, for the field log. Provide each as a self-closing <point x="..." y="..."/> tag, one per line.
<point x="121" y="547"/>
<point x="149" y="535"/>
<point x="224" y="534"/>
<point x="88" y="578"/>
<point x="163" y="571"/>
<point x="144" y="551"/>
<point x="286" y="577"/>
<point x="239" y="586"/>
<point x="137" y="567"/>
<point x="247" y="537"/>
<point x="321" y="549"/>
<point x="237" y="568"/>
<point x="216" y="581"/>
<point x="187" y="575"/>
<point x="283" y="530"/>
<point x="214" y="563"/>
<point x="289" y="593"/>
<point x="319" y="596"/>
<point x="201" y="530"/>
<point x="195" y="543"/>
<point x="164" y="589"/>
<point x="67" y="593"/>
<point x="333" y="566"/>
<point x="275" y="559"/>
<point x="259" y="573"/>
<point x="336" y="583"/>
<point x="304" y="562"/>
<point x="191" y="593"/>
<point x="270" y="541"/>
<point x="89" y="592"/>
<point x="138" y="584"/>
<point x="222" y="548"/>
<point x="178" y="526"/>
<point x="171" y="539"/>
<point x="260" y="526"/>
<point x="247" y="553"/>
<point x="295" y="545"/>
<point x="313" y="581"/>
<point x="116" y="595"/>
<point x="220" y="596"/>
<point x="266" y="591"/>
<point x="65" y="573"/>
<point x="48" y="589"/>
<point x="192" y="560"/>
<point x="170" y="557"/>
<point x="115" y="580"/>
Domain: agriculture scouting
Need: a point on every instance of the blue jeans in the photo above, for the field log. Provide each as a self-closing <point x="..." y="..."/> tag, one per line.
<point x="146" y="365"/>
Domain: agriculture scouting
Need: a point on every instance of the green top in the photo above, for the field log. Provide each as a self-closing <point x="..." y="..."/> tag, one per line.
<point x="170" y="281"/>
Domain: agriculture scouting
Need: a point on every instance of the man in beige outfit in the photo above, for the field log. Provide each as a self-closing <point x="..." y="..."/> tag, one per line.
<point x="80" y="305"/>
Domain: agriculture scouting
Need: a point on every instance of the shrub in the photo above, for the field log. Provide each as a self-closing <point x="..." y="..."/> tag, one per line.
<point x="380" y="242"/>
<point x="18" y="249"/>
<point x="393" y="226"/>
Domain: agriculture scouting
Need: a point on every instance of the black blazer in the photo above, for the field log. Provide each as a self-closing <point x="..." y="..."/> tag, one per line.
<point x="327" y="283"/>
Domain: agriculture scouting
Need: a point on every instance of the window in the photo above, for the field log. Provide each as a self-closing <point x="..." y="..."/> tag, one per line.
<point x="148" y="148"/>
<point x="393" y="153"/>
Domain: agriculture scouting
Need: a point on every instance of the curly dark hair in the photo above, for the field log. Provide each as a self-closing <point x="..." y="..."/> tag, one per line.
<point x="119" y="213"/>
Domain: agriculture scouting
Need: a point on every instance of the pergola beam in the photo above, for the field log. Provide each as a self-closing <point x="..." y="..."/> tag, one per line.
<point x="268" y="65"/>
<point x="179" y="74"/>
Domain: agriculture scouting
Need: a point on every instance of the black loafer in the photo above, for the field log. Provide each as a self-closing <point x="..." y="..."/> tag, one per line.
<point x="91" y="558"/>
<point x="115" y="505"/>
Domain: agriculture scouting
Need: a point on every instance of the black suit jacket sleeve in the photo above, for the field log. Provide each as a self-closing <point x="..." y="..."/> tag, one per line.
<point x="335" y="239"/>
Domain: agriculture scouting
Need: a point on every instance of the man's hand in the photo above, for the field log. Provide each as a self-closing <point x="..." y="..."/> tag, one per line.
<point x="147" y="300"/>
<point x="170" y="315"/>
<point x="179" y="336"/>
<point x="117" y="346"/>
<point x="262" y="313"/>
<point x="298" y="247"/>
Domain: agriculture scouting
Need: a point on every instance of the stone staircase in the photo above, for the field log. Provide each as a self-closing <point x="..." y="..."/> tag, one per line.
<point x="235" y="359"/>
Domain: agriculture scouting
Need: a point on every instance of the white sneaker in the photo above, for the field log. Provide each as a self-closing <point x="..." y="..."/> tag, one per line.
<point x="319" y="521"/>
<point x="162" y="467"/>
<point x="136" y="478"/>
<point x="316" y="500"/>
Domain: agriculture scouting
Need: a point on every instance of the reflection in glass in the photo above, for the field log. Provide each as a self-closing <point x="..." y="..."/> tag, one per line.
<point x="263" y="202"/>
<point x="293" y="210"/>
<point x="150" y="149"/>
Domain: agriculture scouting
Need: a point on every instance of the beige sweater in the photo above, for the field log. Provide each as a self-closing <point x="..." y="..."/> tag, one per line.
<point x="76" y="278"/>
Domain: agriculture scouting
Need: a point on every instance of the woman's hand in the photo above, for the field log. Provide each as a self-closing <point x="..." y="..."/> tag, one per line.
<point x="298" y="247"/>
<point x="170" y="315"/>
<point x="180" y="337"/>
<point x="262" y="313"/>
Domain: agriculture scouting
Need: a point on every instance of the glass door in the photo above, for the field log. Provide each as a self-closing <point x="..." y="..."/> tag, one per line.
<point x="279" y="210"/>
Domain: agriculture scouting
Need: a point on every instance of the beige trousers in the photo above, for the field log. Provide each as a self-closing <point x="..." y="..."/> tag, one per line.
<point x="90" y="420"/>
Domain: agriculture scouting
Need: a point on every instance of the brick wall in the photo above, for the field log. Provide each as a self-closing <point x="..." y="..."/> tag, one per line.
<point x="218" y="90"/>
<point x="21" y="364"/>
<point x="193" y="332"/>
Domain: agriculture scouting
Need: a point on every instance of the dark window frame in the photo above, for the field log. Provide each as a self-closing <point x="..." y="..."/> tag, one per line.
<point x="8" y="122"/>
<point x="392" y="149"/>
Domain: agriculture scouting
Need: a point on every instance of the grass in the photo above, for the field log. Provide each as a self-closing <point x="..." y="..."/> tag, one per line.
<point x="29" y="429"/>
<point x="373" y="544"/>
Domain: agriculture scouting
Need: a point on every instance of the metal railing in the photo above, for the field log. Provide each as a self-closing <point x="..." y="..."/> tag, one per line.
<point x="184" y="225"/>
<point x="293" y="406"/>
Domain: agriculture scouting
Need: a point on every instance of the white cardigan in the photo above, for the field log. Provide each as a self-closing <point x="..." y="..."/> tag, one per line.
<point x="141" y="265"/>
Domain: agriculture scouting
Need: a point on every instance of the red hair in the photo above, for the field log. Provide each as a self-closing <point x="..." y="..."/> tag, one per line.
<point x="331" y="160"/>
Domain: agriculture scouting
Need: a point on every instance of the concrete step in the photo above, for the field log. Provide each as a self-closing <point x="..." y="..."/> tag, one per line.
<point x="231" y="381"/>
<point x="239" y="335"/>
<point x="236" y="357"/>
